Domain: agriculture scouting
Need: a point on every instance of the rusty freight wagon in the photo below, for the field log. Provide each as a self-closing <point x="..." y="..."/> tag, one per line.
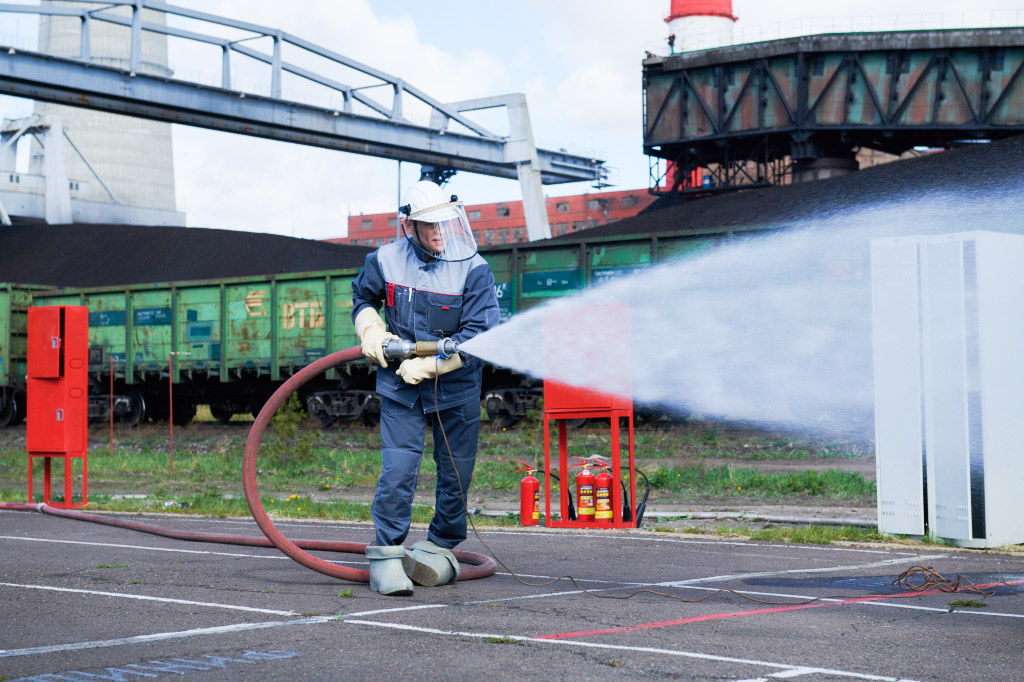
<point x="234" y="341"/>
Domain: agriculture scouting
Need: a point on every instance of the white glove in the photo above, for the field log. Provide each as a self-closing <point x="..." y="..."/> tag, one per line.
<point x="415" y="370"/>
<point x="372" y="333"/>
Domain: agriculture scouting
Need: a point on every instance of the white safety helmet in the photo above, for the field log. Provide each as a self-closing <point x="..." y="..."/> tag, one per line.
<point x="436" y="223"/>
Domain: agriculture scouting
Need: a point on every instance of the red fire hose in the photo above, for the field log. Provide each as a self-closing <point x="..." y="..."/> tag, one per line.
<point x="475" y="565"/>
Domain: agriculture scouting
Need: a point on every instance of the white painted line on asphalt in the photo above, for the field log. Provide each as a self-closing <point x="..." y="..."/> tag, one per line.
<point x="579" y="580"/>
<point x="807" y="597"/>
<point x="962" y="611"/>
<point x="714" y="578"/>
<point x="276" y="555"/>
<point x="159" y="637"/>
<point x="619" y="647"/>
<point x="826" y="569"/>
<point x="400" y="608"/>
<point x="153" y="549"/>
<point x="689" y="541"/>
<point x="581" y="534"/>
<point x="143" y="597"/>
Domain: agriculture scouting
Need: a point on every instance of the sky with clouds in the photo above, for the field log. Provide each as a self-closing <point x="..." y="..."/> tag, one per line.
<point x="577" y="61"/>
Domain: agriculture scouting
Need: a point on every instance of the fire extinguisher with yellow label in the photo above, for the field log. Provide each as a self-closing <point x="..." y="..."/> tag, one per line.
<point x="602" y="493"/>
<point x="529" y="497"/>
<point x="584" y="492"/>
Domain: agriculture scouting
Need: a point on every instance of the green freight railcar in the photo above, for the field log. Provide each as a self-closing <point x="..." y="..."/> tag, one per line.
<point x="236" y="340"/>
<point x="226" y="343"/>
<point x="14" y="302"/>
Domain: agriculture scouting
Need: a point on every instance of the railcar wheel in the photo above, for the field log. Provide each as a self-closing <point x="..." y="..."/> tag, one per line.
<point x="136" y="413"/>
<point x="221" y="413"/>
<point x="8" y="412"/>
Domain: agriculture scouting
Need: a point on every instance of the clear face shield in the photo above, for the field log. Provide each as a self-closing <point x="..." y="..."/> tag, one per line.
<point x="441" y="232"/>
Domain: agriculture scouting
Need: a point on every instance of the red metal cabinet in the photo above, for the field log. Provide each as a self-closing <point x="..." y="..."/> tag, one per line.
<point x="57" y="405"/>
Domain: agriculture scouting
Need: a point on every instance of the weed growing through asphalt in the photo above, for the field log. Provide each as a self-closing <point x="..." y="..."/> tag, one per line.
<point x="504" y="639"/>
<point x="347" y="592"/>
<point x="966" y="603"/>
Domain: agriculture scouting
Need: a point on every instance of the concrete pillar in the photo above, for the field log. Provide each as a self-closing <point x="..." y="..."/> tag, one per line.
<point x="58" y="192"/>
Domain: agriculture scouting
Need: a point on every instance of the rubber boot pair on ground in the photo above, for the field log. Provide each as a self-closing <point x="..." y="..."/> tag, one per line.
<point x="393" y="570"/>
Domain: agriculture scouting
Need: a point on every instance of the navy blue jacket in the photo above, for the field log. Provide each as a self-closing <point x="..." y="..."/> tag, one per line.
<point x="425" y="300"/>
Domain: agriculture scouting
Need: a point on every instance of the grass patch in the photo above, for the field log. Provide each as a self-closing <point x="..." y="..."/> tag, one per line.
<point x="813" y="534"/>
<point x="504" y="639"/>
<point x="734" y="481"/>
<point x="299" y="458"/>
<point x="967" y="603"/>
<point x="346" y="593"/>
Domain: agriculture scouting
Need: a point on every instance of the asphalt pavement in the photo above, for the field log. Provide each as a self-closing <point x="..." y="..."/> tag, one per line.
<point x="81" y="601"/>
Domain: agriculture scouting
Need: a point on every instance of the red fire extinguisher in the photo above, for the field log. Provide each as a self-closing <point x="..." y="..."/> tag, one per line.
<point x="602" y="493"/>
<point x="584" y="492"/>
<point x="529" y="497"/>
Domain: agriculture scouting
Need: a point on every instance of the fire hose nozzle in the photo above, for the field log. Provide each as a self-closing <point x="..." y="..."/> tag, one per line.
<point x="400" y="349"/>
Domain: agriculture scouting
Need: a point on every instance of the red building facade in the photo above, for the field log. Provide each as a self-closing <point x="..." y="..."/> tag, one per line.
<point x="504" y="223"/>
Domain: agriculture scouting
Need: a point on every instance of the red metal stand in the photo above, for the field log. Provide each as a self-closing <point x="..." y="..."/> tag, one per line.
<point x="563" y="402"/>
<point x="58" y="340"/>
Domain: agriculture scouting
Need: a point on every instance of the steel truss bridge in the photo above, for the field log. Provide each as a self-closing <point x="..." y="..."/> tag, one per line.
<point x="361" y="124"/>
<point x="760" y="114"/>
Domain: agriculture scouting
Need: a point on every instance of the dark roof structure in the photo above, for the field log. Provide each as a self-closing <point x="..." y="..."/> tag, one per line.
<point x="83" y="255"/>
<point x="967" y="169"/>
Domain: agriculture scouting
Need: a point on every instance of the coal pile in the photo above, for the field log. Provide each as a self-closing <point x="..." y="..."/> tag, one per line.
<point x="972" y="168"/>
<point x="106" y="255"/>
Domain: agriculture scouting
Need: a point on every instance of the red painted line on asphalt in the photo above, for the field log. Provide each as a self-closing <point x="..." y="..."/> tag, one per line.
<point x="756" y="612"/>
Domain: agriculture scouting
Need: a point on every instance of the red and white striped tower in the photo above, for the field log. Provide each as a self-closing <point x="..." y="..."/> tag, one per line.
<point x="697" y="25"/>
<point x="700" y="24"/>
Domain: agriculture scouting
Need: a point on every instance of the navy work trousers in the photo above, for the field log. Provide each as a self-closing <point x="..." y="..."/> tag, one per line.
<point x="403" y="431"/>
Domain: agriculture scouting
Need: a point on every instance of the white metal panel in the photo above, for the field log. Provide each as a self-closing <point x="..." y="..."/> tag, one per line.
<point x="945" y="384"/>
<point x="897" y="380"/>
<point x="1000" y="267"/>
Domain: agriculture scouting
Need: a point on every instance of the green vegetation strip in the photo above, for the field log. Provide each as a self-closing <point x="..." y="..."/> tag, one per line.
<point x="305" y="461"/>
<point x="811" y="535"/>
<point x="144" y="466"/>
<point x="732" y="481"/>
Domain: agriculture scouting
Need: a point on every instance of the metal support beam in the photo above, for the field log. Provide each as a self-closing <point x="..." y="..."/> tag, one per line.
<point x="93" y="86"/>
<point x="520" y="150"/>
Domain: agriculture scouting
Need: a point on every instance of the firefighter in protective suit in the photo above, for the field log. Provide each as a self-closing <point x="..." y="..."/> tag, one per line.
<point x="432" y="284"/>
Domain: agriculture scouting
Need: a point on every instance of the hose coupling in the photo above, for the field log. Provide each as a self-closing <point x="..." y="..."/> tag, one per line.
<point x="400" y="349"/>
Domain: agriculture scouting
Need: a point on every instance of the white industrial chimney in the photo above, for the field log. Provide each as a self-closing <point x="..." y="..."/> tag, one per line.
<point x="699" y="24"/>
<point x="132" y="156"/>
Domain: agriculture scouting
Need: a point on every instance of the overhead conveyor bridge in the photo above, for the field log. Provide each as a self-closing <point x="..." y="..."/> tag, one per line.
<point x="361" y="124"/>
